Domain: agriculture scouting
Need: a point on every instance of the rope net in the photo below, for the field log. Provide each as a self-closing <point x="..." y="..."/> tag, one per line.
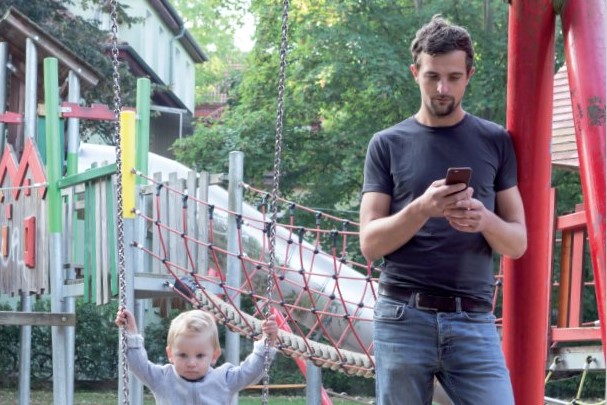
<point x="324" y="297"/>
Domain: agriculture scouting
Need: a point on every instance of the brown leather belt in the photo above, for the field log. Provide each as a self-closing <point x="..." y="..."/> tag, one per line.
<point x="431" y="302"/>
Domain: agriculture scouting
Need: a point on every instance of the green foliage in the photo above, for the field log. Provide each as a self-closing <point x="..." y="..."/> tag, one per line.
<point x="213" y="24"/>
<point x="566" y="385"/>
<point x="156" y="339"/>
<point x="568" y="190"/>
<point x="346" y="78"/>
<point x="96" y="341"/>
<point x="96" y="348"/>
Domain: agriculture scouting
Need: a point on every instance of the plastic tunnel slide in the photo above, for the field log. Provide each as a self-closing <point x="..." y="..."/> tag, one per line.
<point x="351" y="281"/>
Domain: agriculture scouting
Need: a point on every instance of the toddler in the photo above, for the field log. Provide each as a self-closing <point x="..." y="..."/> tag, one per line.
<point x="192" y="349"/>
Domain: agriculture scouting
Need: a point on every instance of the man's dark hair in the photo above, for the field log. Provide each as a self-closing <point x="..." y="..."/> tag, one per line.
<point x="439" y="37"/>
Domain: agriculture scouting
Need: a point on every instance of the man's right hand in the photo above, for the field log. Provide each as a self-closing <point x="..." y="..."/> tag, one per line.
<point x="439" y="197"/>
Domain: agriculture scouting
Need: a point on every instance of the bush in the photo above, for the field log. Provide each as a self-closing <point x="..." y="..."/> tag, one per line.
<point x="96" y="348"/>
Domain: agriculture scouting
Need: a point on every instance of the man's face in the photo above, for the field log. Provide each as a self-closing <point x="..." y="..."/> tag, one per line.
<point x="442" y="81"/>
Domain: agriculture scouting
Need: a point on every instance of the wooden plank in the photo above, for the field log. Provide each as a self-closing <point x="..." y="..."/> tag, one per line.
<point x="576" y="334"/>
<point x="103" y="243"/>
<point x="87" y="245"/>
<point x="37" y="318"/>
<point x="147" y="285"/>
<point x="203" y="226"/>
<point x="42" y="259"/>
<point x="111" y="203"/>
<point x="98" y="285"/>
<point x="192" y="225"/>
<point x="174" y="221"/>
<point x="565" y="279"/>
<point x="277" y="387"/>
<point x="89" y="175"/>
<point x="572" y="221"/>
<point x="182" y="257"/>
<point x="156" y="245"/>
<point x="19" y="208"/>
<point x="69" y="235"/>
<point x="577" y="278"/>
<point x="144" y="229"/>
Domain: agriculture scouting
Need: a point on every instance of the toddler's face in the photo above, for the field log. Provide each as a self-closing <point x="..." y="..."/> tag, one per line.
<point x="192" y="355"/>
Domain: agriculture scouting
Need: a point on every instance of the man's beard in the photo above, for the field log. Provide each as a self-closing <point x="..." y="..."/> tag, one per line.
<point x="442" y="110"/>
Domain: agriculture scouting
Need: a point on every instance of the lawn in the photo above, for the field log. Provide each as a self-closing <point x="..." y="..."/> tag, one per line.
<point x="11" y="396"/>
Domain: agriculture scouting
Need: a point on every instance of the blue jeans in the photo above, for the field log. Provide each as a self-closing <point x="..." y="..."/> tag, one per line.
<point x="461" y="349"/>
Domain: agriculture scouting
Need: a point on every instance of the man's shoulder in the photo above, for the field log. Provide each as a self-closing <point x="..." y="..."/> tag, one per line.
<point x="486" y="126"/>
<point x="396" y="130"/>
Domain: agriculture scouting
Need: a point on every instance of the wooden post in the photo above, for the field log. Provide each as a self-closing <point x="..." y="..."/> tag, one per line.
<point x="54" y="159"/>
<point x="127" y="144"/>
<point x="142" y="131"/>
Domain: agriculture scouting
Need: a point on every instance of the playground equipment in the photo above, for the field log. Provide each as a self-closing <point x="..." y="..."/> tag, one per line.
<point x="94" y="274"/>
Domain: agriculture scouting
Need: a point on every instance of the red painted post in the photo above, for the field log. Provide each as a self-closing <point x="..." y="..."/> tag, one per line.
<point x="584" y="33"/>
<point x="529" y="120"/>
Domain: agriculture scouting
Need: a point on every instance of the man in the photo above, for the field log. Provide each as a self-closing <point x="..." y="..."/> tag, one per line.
<point x="433" y="316"/>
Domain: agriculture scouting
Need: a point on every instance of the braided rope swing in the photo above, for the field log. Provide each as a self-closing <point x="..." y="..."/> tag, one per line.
<point x="119" y="208"/>
<point x="323" y="355"/>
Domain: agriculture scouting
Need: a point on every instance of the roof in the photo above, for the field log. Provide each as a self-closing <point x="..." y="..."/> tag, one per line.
<point x="141" y="69"/>
<point x="172" y="19"/>
<point x="564" y="147"/>
<point x="210" y="110"/>
<point x="15" y="28"/>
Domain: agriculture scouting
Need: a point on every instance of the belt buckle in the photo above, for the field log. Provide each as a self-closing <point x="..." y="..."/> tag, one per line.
<point x="423" y="307"/>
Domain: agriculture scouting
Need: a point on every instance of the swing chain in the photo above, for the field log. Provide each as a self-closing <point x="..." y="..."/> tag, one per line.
<point x="275" y="189"/>
<point x="119" y="208"/>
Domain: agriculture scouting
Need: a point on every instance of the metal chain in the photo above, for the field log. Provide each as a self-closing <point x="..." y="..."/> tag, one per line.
<point x="275" y="188"/>
<point x="119" y="209"/>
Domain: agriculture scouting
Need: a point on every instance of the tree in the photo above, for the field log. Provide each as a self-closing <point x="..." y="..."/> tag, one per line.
<point x="213" y="24"/>
<point x="347" y="77"/>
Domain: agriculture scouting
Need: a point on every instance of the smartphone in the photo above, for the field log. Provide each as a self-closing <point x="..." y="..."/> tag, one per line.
<point x="457" y="175"/>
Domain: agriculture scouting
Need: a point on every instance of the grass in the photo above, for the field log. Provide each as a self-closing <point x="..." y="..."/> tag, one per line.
<point x="45" y="397"/>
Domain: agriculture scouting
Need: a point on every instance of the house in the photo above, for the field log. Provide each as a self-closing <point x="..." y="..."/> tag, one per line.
<point x="20" y="39"/>
<point x="564" y="147"/>
<point x="159" y="47"/>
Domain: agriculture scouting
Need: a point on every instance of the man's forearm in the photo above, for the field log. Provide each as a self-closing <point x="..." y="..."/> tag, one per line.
<point x="506" y="238"/>
<point x="382" y="236"/>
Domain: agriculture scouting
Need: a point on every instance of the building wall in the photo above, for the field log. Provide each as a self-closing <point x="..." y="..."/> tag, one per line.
<point x="155" y="44"/>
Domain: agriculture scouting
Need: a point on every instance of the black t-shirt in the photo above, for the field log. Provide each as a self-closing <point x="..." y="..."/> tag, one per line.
<point x="402" y="161"/>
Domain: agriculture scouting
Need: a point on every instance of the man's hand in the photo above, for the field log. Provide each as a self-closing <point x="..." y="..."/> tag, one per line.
<point x="467" y="215"/>
<point x="439" y="198"/>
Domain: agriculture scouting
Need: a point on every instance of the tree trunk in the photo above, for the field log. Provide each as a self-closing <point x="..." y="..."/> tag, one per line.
<point x="488" y="17"/>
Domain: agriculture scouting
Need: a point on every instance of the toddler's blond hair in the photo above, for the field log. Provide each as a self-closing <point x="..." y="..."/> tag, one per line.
<point x="191" y="322"/>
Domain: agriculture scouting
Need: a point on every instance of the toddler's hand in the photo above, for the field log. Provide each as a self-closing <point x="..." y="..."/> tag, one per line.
<point x="125" y="319"/>
<point x="269" y="327"/>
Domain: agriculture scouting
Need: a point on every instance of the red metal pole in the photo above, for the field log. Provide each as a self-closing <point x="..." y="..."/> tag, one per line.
<point x="584" y="32"/>
<point x="529" y="120"/>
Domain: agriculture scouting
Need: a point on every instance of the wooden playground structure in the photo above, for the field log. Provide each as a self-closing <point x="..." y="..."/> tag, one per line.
<point x="57" y="224"/>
